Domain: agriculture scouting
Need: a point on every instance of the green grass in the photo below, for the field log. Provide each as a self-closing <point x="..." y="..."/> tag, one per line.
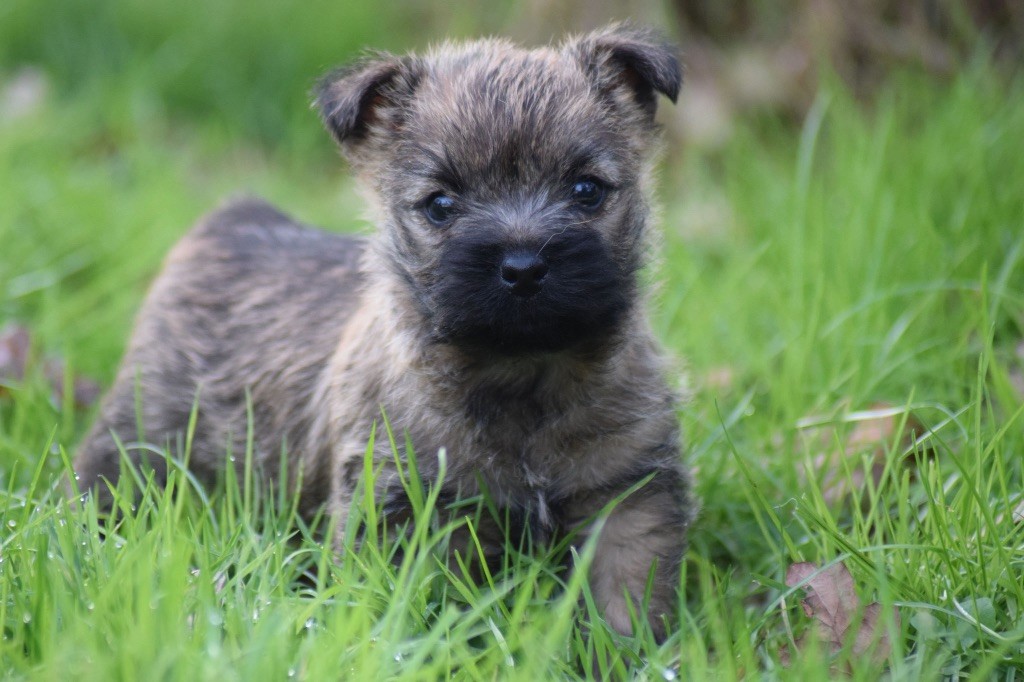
<point x="872" y="255"/>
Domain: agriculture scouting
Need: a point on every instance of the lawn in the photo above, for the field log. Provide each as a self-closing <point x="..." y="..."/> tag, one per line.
<point x="845" y="294"/>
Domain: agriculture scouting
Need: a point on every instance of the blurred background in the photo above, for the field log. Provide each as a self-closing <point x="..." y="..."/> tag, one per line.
<point x="122" y="121"/>
<point x="245" y="66"/>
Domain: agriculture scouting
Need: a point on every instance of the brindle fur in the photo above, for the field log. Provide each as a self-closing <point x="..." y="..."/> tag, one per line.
<point x="556" y="405"/>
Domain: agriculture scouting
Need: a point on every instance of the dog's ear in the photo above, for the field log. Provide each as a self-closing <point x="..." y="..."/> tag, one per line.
<point x="639" y="60"/>
<point x="358" y="98"/>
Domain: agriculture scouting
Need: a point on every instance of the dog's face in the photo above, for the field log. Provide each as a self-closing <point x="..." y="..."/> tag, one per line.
<point x="511" y="181"/>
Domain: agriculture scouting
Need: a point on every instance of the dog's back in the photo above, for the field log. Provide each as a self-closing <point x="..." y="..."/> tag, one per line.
<point x="247" y="293"/>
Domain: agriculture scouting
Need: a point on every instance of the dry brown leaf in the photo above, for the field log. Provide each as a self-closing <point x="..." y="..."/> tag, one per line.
<point x="1017" y="373"/>
<point x="831" y="599"/>
<point x="15" y="349"/>
<point x="719" y="379"/>
<point x="874" y="431"/>
<point x="85" y="391"/>
<point x="15" y="343"/>
<point x="833" y="604"/>
<point x="872" y="637"/>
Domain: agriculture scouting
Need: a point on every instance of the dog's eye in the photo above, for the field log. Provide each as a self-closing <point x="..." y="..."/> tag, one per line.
<point x="588" y="193"/>
<point x="440" y="208"/>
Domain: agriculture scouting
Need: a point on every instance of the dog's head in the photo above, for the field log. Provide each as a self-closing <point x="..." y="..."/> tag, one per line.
<point x="511" y="181"/>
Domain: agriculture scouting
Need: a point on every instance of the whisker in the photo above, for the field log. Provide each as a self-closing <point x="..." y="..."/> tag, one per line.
<point x="562" y="231"/>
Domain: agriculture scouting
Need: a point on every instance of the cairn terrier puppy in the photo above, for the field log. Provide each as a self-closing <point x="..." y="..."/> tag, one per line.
<point x="496" y="314"/>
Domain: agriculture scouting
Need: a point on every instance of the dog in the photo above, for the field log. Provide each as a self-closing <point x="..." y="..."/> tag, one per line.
<point x="497" y="313"/>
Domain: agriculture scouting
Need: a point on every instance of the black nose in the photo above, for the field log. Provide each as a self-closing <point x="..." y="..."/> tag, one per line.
<point x="523" y="273"/>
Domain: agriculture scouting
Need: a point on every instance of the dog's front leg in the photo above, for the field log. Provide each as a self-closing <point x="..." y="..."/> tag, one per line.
<point x="644" y="532"/>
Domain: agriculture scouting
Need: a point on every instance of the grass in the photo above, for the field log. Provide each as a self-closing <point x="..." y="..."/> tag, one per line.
<point x="873" y="255"/>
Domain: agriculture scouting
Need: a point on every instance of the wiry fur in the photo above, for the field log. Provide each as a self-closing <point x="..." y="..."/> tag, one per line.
<point x="556" y="404"/>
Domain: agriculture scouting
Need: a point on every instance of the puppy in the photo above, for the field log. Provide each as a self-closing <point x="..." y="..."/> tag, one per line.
<point x="497" y="312"/>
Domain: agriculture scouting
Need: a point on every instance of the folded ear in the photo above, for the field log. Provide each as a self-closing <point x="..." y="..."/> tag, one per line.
<point x="638" y="59"/>
<point x="354" y="99"/>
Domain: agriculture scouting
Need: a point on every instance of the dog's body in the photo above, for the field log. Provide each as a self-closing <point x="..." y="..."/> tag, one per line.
<point x="496" y="316"/>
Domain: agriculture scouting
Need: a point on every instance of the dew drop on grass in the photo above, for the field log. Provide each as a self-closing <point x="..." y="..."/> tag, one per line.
<point x="27" y="618"/>
<point x="291" y="672"/>
<point x="310" y="623"/>
<point x="668" y="674"/>
<point x="12" y="523"/>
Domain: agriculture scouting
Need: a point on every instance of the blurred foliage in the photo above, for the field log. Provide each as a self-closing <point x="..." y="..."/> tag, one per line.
<point x="246" y="65"/>
<point x="865" y="31"/>
<point x="754" y="57"/>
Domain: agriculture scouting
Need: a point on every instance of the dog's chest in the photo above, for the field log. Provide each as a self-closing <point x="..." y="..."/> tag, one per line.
<point x="525" y="452"/>
<point x="533" y="436"/>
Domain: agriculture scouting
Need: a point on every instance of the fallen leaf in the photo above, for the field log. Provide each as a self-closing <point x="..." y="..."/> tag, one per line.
<point x="830" y="597"/>
<point x="719" y="378"/>
<point x="85" y="391"/>
<point x="15" y="350"/>
<point x="1018" y="512"/>
<point x="833" y="604"/>
<point x="15" y="343"/>
<point x="1017" y="373"/>
<point x="872" y="636"/>
<point x="873" y="433"/>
